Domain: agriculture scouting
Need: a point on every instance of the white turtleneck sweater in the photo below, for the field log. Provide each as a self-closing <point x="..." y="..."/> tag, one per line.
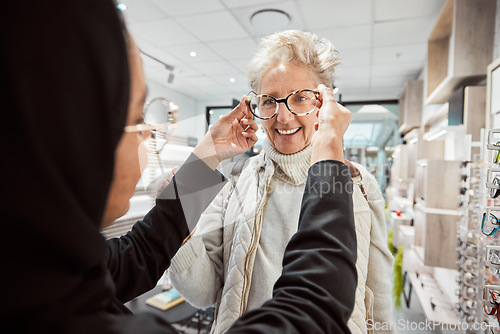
<point x="280" y="220"/>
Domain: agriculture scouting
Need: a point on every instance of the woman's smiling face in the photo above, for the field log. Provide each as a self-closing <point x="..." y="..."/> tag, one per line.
<point x="287" y="132"/>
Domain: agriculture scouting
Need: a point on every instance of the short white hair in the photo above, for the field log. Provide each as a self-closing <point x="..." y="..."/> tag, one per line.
<point x="294" y="46"/>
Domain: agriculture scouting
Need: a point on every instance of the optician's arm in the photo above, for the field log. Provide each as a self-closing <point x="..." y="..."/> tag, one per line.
<point x="138" y="259"/>
<point x="315" y="293"/>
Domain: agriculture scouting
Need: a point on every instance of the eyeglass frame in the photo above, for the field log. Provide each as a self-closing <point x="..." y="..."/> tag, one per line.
<point x="149" y="127"/>
<point x="495" y="192"/>
<point x="282" y="100"/>
<point x="493" y="303"/>
<point x="488" y="214"/>
<point x="490" y="250"/>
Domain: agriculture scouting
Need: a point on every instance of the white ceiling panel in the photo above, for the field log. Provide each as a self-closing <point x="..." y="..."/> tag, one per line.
<point x="240" y="64"/>
<point x="235" y="48"/>
<point x="213" y="26"/>
<point x="394" y="70"/>
<point x="382" y="43"/>
<point x="174" y="8"/>
<point x="162" y="32"/>
<point x="361" y="83"/>
<point x="344" y="38"/>
<point x="238" y="82"/>
<point x="386" y="91"/>
<point x="384" y="81"/>
<point x="351" y="72"/>
<point x="186" y="70"/>
<point x="216" y="67"/>
<point x="387" y="10"/>
<point x="355" y="57"/>
<point x="320" y="14"/>
<point x="411" y="31"/>
<point x="240" y="3"/>
<point x="203" y="53"/>
<point x="399" y="54"/>
<point x="141" y="11"/>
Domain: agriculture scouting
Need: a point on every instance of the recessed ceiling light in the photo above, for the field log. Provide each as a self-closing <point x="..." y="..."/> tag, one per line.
<point x="121" y="6"/>
<point x="232" y="80"/>
<point x="270" y="20"/>
<point x="192" y="54"/>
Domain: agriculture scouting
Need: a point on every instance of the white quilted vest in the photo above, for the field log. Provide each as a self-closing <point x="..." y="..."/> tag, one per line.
<point x="241" y="238"/>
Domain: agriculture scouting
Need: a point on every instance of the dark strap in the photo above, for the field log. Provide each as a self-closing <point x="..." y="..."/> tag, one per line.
<point x="355" y="173"/>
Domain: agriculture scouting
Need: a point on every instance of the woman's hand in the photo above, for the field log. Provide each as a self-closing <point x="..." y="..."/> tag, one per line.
<point x="333" y="121"/>
<point x="231" y="135"/>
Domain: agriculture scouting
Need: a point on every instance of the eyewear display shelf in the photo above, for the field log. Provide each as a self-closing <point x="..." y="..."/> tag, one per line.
<point x="469" y="240"/>
<point x="434" y="245"/>
<point x="487" y="225"/>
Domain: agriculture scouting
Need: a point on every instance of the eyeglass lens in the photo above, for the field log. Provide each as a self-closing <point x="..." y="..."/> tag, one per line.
<point x="301" y="103"/>
<point x="162" y="114"/>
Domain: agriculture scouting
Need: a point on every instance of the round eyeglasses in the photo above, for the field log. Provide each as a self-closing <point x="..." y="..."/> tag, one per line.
<point x="488" y="225"/>
<point x="160" y="118"/>
<point x="301" y="103"/>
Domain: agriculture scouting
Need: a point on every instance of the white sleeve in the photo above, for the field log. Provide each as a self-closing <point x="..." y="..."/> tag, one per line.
<point x="197" y="269"/>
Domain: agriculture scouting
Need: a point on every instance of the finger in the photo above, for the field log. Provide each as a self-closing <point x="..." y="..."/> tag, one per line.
<point x="250" y="123"/>
<point x="326" y="94"/>
<point x="238" y="112"/>
<point x="250" y="137"/>
<point x="254" y="138"/>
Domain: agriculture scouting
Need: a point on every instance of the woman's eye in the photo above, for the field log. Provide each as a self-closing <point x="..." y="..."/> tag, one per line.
<point x="268" y="102"/>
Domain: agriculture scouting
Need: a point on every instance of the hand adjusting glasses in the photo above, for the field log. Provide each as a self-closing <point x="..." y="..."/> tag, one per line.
<point x="300" y="103"/>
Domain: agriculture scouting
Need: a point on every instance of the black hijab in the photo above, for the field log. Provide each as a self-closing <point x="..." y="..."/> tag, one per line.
<point x="65" y="98"/>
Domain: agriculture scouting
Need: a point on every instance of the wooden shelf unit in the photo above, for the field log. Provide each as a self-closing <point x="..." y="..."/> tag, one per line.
<point x="460" y="47"/>
<point x="410" y="106"/>
<point x="437" y="183"/>
<point x="435" y="237"/>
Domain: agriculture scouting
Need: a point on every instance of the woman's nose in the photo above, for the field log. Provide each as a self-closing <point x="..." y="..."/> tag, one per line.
<point x="284" y="115"/>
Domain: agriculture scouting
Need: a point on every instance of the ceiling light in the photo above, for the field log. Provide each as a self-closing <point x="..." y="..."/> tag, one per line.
<point x="232" y="80"/>
<point x="122" y="7"/>
<point x="192" y="54"/>
<point x="268" y="21"/>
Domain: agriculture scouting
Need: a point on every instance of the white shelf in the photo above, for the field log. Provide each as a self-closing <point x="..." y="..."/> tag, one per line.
<point x="427" y="289"/>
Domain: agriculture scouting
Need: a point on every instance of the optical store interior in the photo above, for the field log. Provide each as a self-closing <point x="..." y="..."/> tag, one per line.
<point x="422" y="80"/>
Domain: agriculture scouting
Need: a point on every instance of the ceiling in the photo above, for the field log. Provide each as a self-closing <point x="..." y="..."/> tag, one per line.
<point x="383" y="43"/>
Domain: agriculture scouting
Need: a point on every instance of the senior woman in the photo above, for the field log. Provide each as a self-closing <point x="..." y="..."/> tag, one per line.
<point x="235" y="255"/>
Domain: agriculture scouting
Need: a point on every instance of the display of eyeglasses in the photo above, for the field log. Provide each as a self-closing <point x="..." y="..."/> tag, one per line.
<point x="488" y="222"/>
